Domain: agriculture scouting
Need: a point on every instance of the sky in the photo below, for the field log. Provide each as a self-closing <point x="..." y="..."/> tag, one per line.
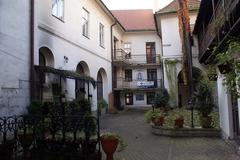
<point x="135" y="4"/>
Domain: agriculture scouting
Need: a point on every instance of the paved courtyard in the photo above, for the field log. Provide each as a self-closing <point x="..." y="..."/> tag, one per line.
<point x="142" y="145"/>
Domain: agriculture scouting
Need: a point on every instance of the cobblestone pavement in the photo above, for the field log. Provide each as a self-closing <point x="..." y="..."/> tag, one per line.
<point x="142" y="145"/>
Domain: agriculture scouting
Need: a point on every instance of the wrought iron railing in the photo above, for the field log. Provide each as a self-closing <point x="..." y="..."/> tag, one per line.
<point x="122" y="83"/>
<point x="135" y="59"/>
<point x="50" y="137"/>
<point x="222" y="10"/>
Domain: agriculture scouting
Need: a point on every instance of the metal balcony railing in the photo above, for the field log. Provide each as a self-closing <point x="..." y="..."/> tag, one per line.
<point x="222" y="10"/>
<point x="121" y="83"/>
<point x="135" y="59"/>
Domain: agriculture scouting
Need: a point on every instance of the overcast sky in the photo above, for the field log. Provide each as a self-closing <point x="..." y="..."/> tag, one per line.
<point x="134" y="4"/>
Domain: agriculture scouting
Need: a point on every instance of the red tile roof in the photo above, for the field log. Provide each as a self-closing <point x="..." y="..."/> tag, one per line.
<point x="136" y="20"/>
<point x="173" y="6"/>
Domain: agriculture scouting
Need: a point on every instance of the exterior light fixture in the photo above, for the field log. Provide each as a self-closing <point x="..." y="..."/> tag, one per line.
<point x="65" y="59"/>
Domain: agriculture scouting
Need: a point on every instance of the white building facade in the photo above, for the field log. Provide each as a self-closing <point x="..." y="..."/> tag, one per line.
<point x="168" y="26"/>
<point x="136" y="62"/>
<point x="76" y="36"/>
<point x="15" y="50"/>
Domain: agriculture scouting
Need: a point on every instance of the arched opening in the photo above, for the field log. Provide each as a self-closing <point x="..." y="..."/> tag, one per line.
<point x="101" y="84"/>
<point x="183" y="90"/>
<point x="80" y="87"/>
<point x="46" y="57"/>
<point x="47" y="82"/>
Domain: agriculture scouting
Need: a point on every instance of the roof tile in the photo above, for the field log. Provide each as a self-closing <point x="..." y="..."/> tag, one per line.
<point x="135" y="20"/>
<point x="173" y="6"/>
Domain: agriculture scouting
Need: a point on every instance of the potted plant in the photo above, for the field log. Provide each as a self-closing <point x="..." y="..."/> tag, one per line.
<point x="212" y="73"/>
<point x="161" y="99"/>
<point x="101" y="104"/>
<point x="158" y="118"/>
<point x="179" y="121"/>
<point x="110" y="142"/>
<point x="204" y="103"/>
<point x="224" y="68"/>
<point x="224" y="61"/>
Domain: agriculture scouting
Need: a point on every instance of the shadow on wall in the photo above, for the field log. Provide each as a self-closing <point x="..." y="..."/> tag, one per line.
<point x="14" y="100"/>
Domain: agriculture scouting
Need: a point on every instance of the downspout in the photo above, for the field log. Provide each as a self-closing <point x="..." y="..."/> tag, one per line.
<point x="160" y="36"/>
<point x="112" y="52"/>
<point x="31" y="50"/>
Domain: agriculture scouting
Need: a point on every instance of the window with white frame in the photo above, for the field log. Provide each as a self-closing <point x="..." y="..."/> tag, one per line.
<point x="101" y="34"/>
<point x="58" y="8"/>
<point x="85" y="23"/>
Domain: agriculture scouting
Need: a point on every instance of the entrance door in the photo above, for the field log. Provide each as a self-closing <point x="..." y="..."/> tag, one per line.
<point x="80" y="84"/>
<point x="117" y="100"/>
<point x="99" y="87"/>
<point x="150" y="52"/>
<point x="236" y="128"/>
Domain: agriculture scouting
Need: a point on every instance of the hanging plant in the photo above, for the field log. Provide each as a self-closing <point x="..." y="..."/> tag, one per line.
<point x="212" y="73"/>
<point x="171" y="71"/>
<point x="229" y="65"/>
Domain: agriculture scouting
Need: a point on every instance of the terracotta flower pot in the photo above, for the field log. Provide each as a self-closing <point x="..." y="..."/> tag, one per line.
<point x="109" y="146"/>
<point x="158" y="121"/>
<point x="179" y="123"/>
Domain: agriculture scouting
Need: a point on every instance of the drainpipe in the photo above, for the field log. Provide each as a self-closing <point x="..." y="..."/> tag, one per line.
<point x="160" y="36"/>
<point x="31" y="50"/>
<point x="112" y="52"/>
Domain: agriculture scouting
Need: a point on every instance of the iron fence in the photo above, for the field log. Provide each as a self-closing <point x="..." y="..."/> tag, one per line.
<point x="50" y="137"/>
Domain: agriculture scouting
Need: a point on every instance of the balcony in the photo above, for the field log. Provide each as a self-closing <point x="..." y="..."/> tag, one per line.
<point x="122" y="84"/>
<point x="122" y="58"/>
<point x="220" y="24"/>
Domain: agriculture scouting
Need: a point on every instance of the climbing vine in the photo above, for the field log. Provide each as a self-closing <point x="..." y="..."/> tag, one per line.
<point x="229" y="57"/>
<point x="171" y="72"/>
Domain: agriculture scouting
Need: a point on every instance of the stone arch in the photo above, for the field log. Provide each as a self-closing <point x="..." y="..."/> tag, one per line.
<point x="183" y="90"/>
<point x="46" y="57"/>
<point x="102" y="84"/>
<point x="83" y="67"/>
<point x="80" y="86"/>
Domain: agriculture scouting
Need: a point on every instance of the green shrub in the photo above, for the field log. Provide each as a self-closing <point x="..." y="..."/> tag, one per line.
<point x="161" y="98"/>
<point x="203" y="98"/>
<point x="153" y="114"/>
<point x="35" y="108"/>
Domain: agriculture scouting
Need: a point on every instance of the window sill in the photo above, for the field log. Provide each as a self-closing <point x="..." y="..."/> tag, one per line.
<point x="102" y="46"/>
<point x="86" y="36"/>
<point x="60" y="19"/>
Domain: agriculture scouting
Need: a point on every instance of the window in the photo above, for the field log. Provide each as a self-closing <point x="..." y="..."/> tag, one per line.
<point x="127" y="47"/>
<point x="150" y="97"/>
<point x="139" y="97"/>
<point x="58" y="8"/>
<point x="101" y="34"/>
<point x="152" y="76"/>
<point x="139" y="76"/>
<point x="85" y="23"/>
<point x="129" y="98"/>
<point x="151" y="52"/>
<point x="128" y="75"/>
